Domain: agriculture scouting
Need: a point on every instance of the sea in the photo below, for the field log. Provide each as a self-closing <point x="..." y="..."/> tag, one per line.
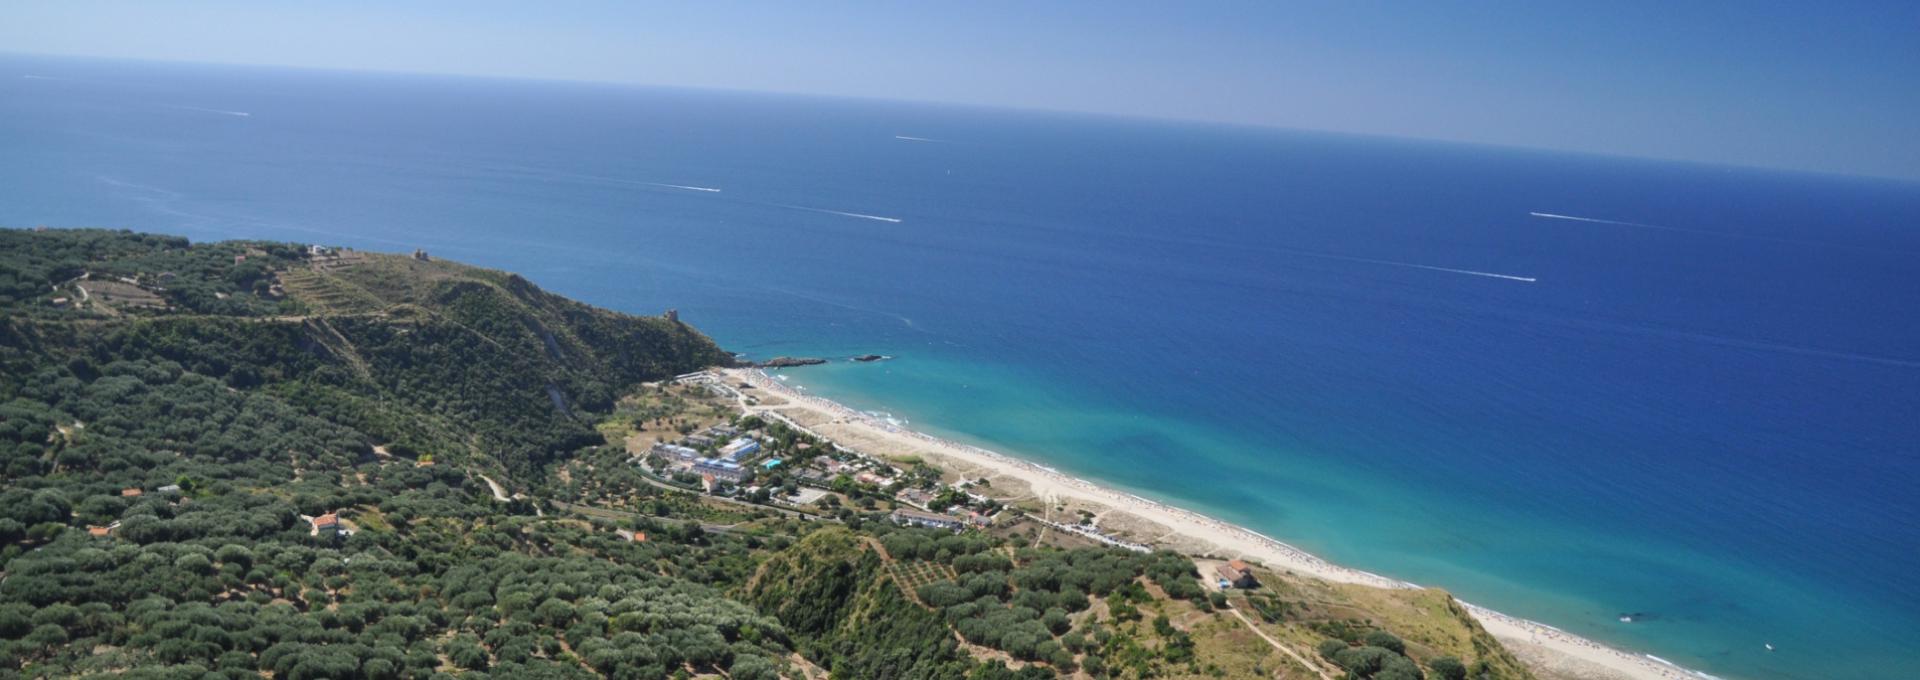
<point x="1568" y="387"/>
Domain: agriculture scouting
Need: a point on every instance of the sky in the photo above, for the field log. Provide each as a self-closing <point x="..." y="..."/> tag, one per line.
<point x="1819" y="86"/>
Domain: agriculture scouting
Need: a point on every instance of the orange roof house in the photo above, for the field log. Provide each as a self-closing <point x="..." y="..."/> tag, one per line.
<point x="1238" y="573"/>
<point x="327" y="525"/>
<point x="130" y="492"/>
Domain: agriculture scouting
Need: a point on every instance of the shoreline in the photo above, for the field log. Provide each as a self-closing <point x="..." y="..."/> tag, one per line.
<point x="859" y="431"/>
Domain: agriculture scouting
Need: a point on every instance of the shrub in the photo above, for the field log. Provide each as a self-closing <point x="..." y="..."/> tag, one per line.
<point x="1386" y="640"/>
<point x="1363" y="661"/>
<point x="1448" y="668"/>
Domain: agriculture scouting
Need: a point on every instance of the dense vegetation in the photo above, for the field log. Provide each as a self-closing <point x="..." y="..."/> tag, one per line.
<point x="171" y="449"/>
<point x="197" y="436"/>
<point x="430" y="358"/>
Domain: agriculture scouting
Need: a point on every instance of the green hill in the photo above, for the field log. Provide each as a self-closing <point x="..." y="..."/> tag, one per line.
<point x="186" y="430"/>
<point x="428" y="357"/>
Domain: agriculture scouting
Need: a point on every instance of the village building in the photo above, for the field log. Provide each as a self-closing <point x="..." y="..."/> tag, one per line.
<point x="972" y="517"/>
<point x="327" y="525"/>
<point x="698" y="441"/>
<point x="1236" y="573"/>
<point x="917" y="518"/>
<point x="915" y="497"/>
<point x="130" y="492"/>
<point x="726" y="471"/>
<point x="739" y="448"/>
<point x="675" y="452"/>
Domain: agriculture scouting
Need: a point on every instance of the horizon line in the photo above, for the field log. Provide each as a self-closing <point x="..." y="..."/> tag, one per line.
<point x="1135" y="117"/>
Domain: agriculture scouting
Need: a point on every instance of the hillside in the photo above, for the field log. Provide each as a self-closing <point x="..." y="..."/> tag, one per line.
<point x="937" y="601"/>
<point x="251" y="460"/>
<point x="430" y="358"/>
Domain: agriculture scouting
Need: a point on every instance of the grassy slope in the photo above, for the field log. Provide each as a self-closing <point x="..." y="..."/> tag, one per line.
<point x="842" y="568"/>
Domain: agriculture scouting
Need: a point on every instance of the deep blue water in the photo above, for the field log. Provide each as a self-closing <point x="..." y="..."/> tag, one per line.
<point x="1709" y="415"/>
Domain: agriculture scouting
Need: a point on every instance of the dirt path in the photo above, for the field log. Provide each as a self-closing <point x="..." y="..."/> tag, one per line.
<point x="1276" y="644"/>
<point x="499" y="492"/>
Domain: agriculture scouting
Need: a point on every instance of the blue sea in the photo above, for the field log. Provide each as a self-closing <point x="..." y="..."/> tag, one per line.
<point x="1563" y="386"/>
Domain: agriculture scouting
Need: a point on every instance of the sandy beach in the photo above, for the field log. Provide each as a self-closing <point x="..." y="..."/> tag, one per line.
<point x="1154" y="523"/>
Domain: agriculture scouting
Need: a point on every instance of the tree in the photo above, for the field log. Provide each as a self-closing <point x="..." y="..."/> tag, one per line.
<point x="467" y="653"/>
<point x="1398" y="668"/>
<point x="1056" y="620"/>
<point x="47" y="635"/>
<point x="1363" y="661"/>
<point x="16" y="620"/>
<point x="753" y="668"/>
<point x="1386" y="640"/>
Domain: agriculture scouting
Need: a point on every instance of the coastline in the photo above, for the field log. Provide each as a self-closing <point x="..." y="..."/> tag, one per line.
<point x="1162" y="525"/>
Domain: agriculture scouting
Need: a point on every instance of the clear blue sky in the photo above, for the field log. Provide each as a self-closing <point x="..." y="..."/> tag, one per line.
<point x="1826" y="86"/>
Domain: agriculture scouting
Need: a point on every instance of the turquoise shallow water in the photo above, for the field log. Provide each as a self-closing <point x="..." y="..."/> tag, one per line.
<point x="1368" y="348"/>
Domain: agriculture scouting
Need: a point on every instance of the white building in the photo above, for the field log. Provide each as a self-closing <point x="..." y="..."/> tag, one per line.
<point x="739" y="448"/>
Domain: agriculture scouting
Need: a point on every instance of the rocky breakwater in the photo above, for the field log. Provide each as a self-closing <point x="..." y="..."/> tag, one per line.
<point x="788" y="362"/>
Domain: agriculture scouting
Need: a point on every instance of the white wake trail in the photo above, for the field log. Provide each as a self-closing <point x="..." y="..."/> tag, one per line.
<point x="1690" y="230"/>
<point x="682" y="186"/>
<point x="597" y="178"/>
<point x="236" y="114"/>
<point x="909" y="138"/>
<point x="1743" y="343"/>
<point x="1412" y="265"/>
<point x="893" y="220"/>
<point x="1552" y="216"/>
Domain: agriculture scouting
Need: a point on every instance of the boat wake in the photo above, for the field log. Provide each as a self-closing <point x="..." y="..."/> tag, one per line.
<point x="908" y="138"/>
<point x="236" y="114"/>
<point x="1597" y="220"/>
<point x="877" y="218"/>
<point x="1746" y="343"/>
<point x="545" y="172"/>
<point x="681" y="186"/>
<point x="1689" y="230"/>
<point x="1408" y="265"/>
